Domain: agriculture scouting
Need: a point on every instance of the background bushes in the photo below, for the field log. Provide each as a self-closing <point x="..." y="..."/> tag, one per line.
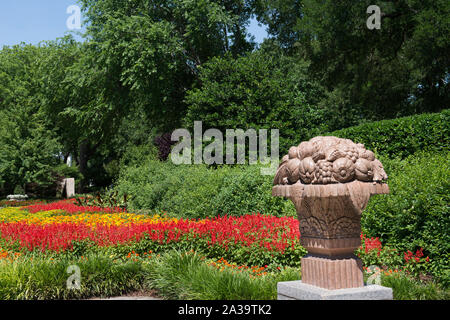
<point x="246" y="190"/>
<point x="416" y="212"/>
<point x="196" y="191"/>
<point x="402" y="137"/>
<point x="183" y="191"/>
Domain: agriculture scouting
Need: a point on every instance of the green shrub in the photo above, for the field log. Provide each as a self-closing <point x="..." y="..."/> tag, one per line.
<point x="182" y="191"/>
<point x="197" y="191"/>
<point x="192" y="190"/>
<point x="65" y="171"/>
<point x="145" y="183"/>
<point x="416" y="212"/>
<point x="402" y="137"/>
<point x="19" y="189"/>
<point x="246" y="191"/>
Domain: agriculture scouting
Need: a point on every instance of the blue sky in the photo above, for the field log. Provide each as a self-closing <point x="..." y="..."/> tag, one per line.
<point x="32" y="21"/>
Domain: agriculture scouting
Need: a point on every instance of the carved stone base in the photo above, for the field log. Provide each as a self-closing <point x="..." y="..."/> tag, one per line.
<point x="332" y="273"/>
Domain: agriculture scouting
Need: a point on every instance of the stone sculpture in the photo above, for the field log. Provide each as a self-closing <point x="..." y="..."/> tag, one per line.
<point x="330" y="181"/>
<point x="326" y="160"/>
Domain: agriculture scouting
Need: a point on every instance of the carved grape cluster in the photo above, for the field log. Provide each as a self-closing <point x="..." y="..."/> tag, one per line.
<point x="324" y="160"/>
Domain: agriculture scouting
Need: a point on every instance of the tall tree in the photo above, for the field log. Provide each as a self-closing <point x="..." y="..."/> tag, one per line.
<point x="400" y="69"/>
<point x="82" y="100"/>
<point x="265" y="89"/>
<point x="152" y="49"/>
<point x="28" y="150"/>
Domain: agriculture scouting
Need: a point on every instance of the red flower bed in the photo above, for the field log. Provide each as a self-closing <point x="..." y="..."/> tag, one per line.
<point x="69" y="207"/>
<point x="271" y="233"/>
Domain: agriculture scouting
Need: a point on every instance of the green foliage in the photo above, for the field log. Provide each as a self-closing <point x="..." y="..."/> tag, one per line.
<point x="265" y="89"/>
<point x="184" y="191"/>
<point x="178" y="275"/>
<point x="151" y="51"/>
<point x="398" y="70"/>
<point x="27" y="151"/>
<point x="107" y="199"/>
<point x="197" y="191"/>
<point x="65" y="171"/>
<point x="405" y="288"/>
<point x="45" y="277"/>
<point x="19" y="189"/>
<point x="191" y="190"/>
<point x="402" y="137"/>
<point x="247" y="191"/>
<point x="415" y="214"/>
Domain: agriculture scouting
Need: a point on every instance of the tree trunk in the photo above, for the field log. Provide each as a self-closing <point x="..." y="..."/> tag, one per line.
<point x="82" y="162"/>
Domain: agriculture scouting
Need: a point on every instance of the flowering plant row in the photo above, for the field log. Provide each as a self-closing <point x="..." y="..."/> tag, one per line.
<point x="251" y="239"/>
<point x="70" y="207"/>
<point x="14" y="203"/>
<point x="63" y="226"/>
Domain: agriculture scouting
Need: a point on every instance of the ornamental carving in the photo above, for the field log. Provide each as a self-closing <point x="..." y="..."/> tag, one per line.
<point x="326" y="160"/>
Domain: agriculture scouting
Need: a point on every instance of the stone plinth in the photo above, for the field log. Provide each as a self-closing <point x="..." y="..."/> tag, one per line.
<point x="332" y="273"/>
<point x="296" y="290"/>
<point x="69" y="184"/>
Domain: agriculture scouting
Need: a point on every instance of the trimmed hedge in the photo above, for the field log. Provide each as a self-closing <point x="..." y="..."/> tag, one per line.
<point x="196" y="191"/>
<point x="402" y="137"/>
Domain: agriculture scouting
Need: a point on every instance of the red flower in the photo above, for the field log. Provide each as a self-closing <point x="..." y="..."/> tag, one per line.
<point x="408" y="255"/>
<point x="253" y="230"/>
<point x="419" y="253"/>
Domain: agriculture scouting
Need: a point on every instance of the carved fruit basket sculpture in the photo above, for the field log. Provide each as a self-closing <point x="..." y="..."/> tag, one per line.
<point x="330" y="181"/>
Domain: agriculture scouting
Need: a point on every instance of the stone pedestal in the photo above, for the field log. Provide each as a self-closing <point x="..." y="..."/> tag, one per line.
<point x="329" y="220"/>
<point x="68" y="185"/>
<point x="296" y="290"/>
<point x="330" y="181"/>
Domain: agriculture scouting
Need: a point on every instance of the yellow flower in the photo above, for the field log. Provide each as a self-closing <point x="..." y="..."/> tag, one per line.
<point x="91" y="219"/>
